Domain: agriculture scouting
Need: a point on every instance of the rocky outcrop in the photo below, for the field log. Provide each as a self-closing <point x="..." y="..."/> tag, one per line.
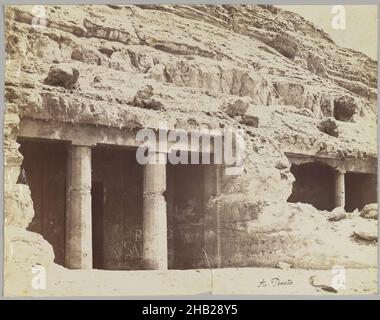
<point x="329" y="126"/>
<point x="286" y="45"/>
<point x="62" y="76"/>
<point x="258" y="234"/>
<point x="236" y="108"/>
<point x="143" y="99"/>
<point x="345" y="108"/>
<point x="369" y="211"/>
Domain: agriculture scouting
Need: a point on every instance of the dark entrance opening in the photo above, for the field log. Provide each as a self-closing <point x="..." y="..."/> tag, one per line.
<point x="97" y="207"/>
<point x="117" y="204"/>
<point x="189" y="187"/>
<point x="361" y="189"/>
<point x="44" y="169"/>
<point x="117" y="208"/>
<point x="314" y="184"/>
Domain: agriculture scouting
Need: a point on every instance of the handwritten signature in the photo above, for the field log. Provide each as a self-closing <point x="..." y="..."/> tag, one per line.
<point x="274" y="282"/>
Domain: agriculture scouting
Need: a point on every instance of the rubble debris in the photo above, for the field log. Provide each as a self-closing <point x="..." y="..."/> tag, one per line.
<point x="143" y="99"/>
<point x="369" y="211"/>
<point x="250" y="120"/>
<point x="337" y="214"/>
<point x="322" y="286"/>
<point x="329" y="126"/>
<point x="235" y="108"/>
<point x="364" y="236"/>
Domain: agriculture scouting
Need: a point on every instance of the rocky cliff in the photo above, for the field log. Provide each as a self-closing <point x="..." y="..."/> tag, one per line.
<point x="258" y="68"/>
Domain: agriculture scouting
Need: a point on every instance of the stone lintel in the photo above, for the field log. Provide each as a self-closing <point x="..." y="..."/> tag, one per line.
<point x="344" y="165"/>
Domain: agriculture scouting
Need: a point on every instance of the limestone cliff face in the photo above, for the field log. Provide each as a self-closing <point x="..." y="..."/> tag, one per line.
<point x="193" y="66"/>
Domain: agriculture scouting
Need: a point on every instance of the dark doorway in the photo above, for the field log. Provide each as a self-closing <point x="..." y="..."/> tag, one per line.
<point x="186" y="212"/>
<point x="44" y="169"/>
<point x="97" y="196"/>
<point x="117" y="208"/>
<point x="361" y="189"/>
<point x="314" y="184"/>
<point x="189" y="187"/>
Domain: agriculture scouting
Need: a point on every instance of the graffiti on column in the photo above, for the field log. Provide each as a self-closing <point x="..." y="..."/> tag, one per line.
<point x="127" y="244"/>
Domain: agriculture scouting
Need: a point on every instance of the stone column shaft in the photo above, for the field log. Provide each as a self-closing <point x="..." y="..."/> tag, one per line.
<point x="78" y="243"/>
<point x="212" y="241"/>
<point x="155" y="245"/>
<point x="339" y="189"/>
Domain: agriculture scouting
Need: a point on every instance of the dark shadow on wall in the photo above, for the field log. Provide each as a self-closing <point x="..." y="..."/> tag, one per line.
<point x="44" y="169"/>
<point x="117" y="208"/>
<point x="361" y="189"/>
<point x="185" y="216"/>
<point x="314" y="184"/>
<point x="189" y="187"/>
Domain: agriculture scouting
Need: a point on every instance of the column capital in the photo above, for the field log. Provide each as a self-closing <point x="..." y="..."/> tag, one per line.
<point x="340" y="170"/>
<point x="76" y="143"/>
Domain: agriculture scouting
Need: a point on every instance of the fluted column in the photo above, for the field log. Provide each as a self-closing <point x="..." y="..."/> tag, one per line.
<point x="339" y="189"/>
<point x="155" y="246"/>
<point x="78" y="243"/>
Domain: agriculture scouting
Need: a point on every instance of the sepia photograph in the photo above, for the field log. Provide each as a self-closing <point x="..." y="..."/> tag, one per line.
<point x="185" y="150"/>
